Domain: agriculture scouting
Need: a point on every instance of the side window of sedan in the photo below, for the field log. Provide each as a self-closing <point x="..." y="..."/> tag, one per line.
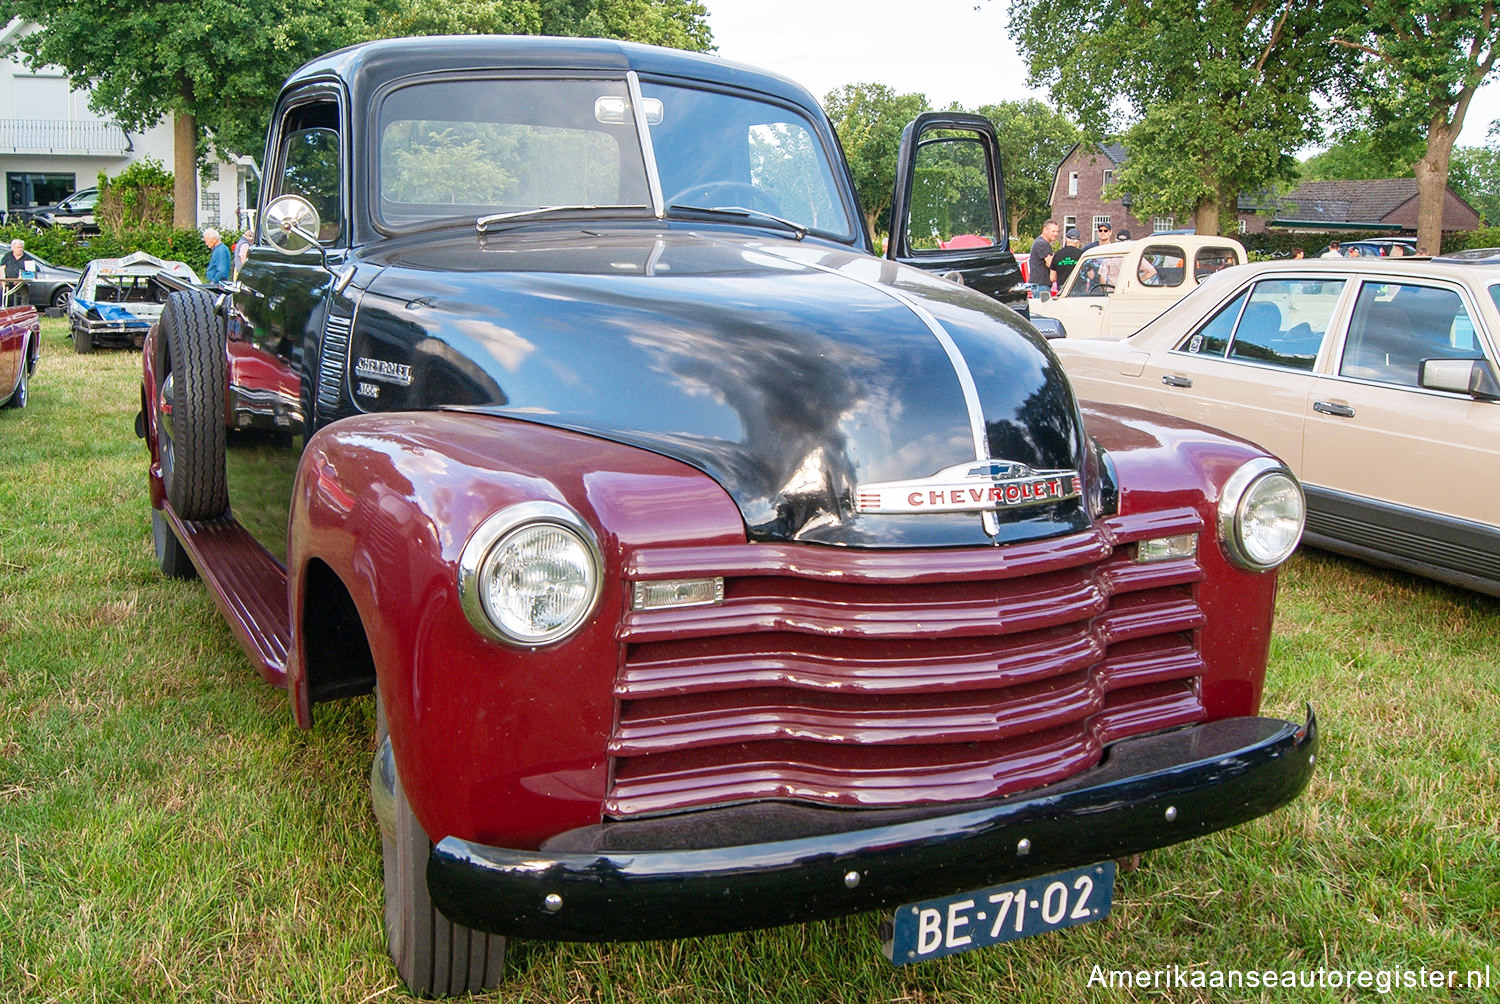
<point x="311" y="163"/>
<point x="1279" y="322"/>
<point x="1397" y="325"/>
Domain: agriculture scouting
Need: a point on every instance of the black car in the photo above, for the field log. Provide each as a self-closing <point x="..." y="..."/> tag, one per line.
<point x="76" y="211"/>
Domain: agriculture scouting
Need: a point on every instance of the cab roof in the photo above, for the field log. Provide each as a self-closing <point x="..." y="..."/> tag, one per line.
<point x="367" y="66"/>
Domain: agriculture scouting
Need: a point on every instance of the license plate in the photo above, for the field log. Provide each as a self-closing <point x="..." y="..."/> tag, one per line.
<point x="938" y="927"/>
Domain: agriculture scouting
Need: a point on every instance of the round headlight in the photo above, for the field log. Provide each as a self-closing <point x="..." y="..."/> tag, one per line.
<point x="530" y="575"/>
<point x="1261" y="514"/>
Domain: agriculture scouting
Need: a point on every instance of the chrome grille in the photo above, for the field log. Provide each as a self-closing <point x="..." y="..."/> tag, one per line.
<point x="877" y="679"/>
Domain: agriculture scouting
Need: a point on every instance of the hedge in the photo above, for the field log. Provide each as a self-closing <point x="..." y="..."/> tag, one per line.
<point x="65" y="246"/>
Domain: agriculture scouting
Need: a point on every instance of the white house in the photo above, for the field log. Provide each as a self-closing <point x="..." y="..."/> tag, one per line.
<point x="52" y="144"/>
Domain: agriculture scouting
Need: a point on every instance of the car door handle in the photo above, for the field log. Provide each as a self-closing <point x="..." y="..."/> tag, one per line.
<point x="1172" y="380"/>
<point x="1327" y="408"/>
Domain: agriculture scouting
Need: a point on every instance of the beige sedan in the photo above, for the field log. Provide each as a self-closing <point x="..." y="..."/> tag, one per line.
<point x="1376" y="380"/>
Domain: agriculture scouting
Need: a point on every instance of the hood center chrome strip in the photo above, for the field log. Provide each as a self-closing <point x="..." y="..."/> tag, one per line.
<point x="955" y="359"/>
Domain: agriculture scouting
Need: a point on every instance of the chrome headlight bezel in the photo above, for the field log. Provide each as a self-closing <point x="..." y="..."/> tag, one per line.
<point x="1249" y="488"/>
<point x="477" y="565"/>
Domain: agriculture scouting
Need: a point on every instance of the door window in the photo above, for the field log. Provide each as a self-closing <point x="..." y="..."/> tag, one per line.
<point x="950" y="198"/>
<point x="1162" y="265"/>
<point x="1279" y="322"/>
<point x="311" y="163"/>
<point x="1397" y="325"/>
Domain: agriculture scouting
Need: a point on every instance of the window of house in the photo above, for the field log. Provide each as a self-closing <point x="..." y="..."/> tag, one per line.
<point x="1072" y="182"/>
<point x="1099" y="221"/>
<point x="1070" y="223"/>
<point x="1161" y="224"/>
<point x="1109" y="179"/>
<point x="24" y="190"/>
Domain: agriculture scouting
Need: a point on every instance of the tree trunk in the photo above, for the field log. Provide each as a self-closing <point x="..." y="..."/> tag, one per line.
<point x="184" y="171"/>
<point x="1206" y="216"/>
<point x="1432" y="184"/>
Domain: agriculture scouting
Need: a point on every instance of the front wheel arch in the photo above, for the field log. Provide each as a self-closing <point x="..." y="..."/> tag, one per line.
<point x="337" y="660"/>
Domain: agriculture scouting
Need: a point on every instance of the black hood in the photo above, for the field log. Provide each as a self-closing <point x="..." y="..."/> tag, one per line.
<point x="794" y="374"/>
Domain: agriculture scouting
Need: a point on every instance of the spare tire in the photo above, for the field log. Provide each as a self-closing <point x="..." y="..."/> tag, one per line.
<point x="190" y="407"/>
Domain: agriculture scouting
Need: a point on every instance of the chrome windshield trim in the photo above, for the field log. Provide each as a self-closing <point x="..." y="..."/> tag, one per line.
<point x="643" y="131"/>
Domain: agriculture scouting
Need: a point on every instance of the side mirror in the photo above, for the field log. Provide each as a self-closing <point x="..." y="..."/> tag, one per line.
<point x="291" y="224"/>
<point x="1474" y="377"/>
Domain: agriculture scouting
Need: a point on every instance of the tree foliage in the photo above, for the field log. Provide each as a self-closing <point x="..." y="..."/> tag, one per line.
<point x="869" y="119"/>
<point x="1420" y="63"/>
<point x="1474" y="174"/>
<point x="680" y="24"/>
<point x="1034" y="139"/>
<point x="1207" y="95"/>
<point x="140" y="195"/>
<point x="1361" y="156"/>
<point x="216" y="66"/>
<point x="213" y="66"/>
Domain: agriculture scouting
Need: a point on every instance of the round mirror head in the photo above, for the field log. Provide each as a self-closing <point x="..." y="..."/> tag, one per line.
<point x="291" y="224"/>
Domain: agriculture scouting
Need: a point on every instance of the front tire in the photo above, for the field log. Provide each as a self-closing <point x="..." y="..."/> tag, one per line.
<point x="22" y="395"/>
<point x="170" y="554"/>
<point x="190" y="427"/>
<point x="83" y="341"/>
<point x="434" y="956"/>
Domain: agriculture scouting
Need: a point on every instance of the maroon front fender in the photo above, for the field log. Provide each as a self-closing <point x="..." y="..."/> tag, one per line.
<point x="493" y="743"/>
<point x="1162" y="462"/>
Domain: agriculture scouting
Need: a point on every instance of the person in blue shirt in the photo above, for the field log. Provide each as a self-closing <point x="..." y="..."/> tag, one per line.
<point x="220" y="261"/>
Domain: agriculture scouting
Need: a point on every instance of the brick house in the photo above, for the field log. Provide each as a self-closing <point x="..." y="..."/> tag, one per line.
<point x="1078" y="198"/>
<point x="1387" y="205"/>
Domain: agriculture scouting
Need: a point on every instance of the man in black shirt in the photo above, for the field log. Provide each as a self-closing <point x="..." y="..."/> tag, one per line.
<point x="1039" y="266"/>
<point x="1066" y="257"/>
<point x="17" y="263"/>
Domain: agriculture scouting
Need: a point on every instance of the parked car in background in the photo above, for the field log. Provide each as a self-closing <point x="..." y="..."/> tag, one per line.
<point x="1115" y="288"/>
<point x="53" y="285"/>
<point x="76" y="211"/>
<point x="1377" y="247"/>
<point x="710" y="573"/>
<point x="20" y="340"/>
<point x="1375" y="379"/>
<point x="118" y="299"/>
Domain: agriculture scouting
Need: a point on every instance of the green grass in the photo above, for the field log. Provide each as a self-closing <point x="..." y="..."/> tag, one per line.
<point x="167" y="834"/>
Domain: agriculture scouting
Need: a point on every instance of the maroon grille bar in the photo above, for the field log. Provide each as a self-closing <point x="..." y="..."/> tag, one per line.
<point x="875" y="679"/>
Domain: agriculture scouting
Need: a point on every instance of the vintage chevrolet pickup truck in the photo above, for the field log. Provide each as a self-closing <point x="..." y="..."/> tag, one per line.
<point x="710" y="572"/>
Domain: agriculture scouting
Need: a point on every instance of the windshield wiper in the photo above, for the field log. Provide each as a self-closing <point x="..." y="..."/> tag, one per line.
<point x="750" y="214"/>
<point x="485" y="222"/>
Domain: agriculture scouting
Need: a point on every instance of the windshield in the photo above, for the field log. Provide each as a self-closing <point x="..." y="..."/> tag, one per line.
<point x="478" y="147"/>
<point x="720" y="150"/>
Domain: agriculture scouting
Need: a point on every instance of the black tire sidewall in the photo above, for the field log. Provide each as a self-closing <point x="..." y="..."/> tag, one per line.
<point x="193" y="466"/>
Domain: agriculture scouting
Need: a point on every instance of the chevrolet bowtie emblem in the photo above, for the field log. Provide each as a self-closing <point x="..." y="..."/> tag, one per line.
<point x="994" y="484"/>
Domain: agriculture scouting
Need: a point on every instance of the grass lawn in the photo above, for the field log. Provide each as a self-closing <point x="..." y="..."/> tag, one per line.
<point x="167" y="834"/>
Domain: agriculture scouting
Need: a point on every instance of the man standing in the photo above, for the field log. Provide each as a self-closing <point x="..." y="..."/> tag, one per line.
<point x="1039" y="265"/>
<point x="220" y="261"/>
<point x="1333" y="251"/>
<point x="16" y="267"/>
<point x="1104" y="234"/>
<point x="1066" y="257"/>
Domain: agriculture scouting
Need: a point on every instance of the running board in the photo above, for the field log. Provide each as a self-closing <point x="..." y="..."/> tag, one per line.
<point x="247" y="583"/>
